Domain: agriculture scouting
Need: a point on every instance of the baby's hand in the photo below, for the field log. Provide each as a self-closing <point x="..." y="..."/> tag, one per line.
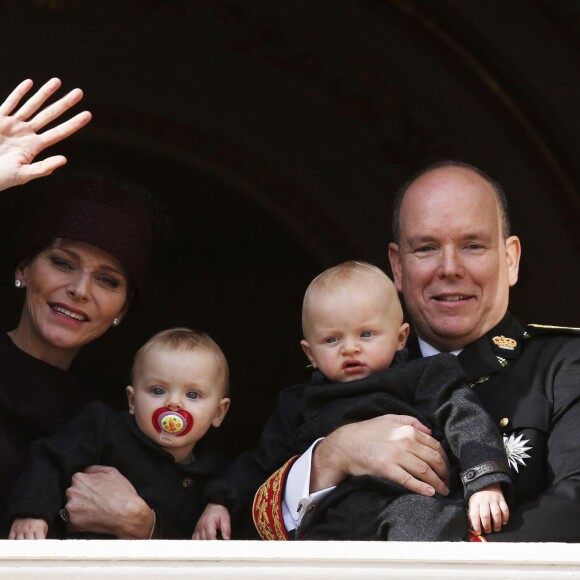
<point x="28" y="529"/>
<point x="215" y="517"/>
<point x="487" y="507"/>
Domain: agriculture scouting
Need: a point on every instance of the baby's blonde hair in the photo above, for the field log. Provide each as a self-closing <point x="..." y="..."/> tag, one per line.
<point x="345" y="273"/>
<point x="185" y="339"/>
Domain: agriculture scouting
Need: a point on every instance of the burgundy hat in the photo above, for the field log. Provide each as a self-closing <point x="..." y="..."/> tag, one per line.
<point x="95" y="207"/>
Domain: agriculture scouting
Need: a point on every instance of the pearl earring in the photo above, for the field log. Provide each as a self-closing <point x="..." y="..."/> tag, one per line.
<point x="116" y="321"/>
<point x="18" y="283"/>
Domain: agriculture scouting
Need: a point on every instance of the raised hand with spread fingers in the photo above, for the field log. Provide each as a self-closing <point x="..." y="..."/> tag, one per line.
<point x="20" y="140"/>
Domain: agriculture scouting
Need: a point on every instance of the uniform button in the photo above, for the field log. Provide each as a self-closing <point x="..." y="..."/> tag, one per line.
<point x="470" y="475"/>
<point x="504" y="422"/>
<point x="187" y="482"/>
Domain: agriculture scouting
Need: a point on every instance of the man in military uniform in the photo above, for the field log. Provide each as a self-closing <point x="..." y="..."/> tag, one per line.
<point x="454" y="260"/>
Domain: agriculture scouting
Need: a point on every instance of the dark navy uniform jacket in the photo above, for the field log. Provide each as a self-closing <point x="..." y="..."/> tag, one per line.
<point x="529" y="382"/>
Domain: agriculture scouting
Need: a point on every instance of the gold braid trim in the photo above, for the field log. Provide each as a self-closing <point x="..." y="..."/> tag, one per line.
<point x="267" y="508"/>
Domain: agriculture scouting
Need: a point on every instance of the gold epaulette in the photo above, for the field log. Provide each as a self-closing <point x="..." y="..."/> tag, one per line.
<point x="267" y="508"/>
<point x="536" y="329"/>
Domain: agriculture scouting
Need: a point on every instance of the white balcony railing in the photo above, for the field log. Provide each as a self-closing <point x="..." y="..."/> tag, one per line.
<point x="303" y="560"/>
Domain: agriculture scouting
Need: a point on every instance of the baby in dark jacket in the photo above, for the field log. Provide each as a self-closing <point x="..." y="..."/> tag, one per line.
<point x="180" y="386"/>
<point x="354" y="336"/>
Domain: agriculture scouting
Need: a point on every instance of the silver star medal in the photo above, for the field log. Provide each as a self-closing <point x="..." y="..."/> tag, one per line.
<point x="515" y="450"/>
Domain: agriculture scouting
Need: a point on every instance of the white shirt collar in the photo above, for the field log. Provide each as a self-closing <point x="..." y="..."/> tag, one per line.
<point x="428" y="350"/>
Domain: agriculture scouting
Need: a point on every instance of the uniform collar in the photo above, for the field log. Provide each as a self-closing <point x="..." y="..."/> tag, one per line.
<point x="428" y="350"/>
<point x="487" y="355"/>
<point x="494" y="350"/>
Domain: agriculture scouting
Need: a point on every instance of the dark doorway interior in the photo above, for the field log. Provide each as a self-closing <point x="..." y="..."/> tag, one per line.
<point x="276" y="134"/>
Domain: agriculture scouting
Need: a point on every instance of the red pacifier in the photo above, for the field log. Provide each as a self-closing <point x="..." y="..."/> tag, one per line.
<point x="170" y="424"/>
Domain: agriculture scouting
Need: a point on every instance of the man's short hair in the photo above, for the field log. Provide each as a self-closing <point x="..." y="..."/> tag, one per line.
<point x="184" y="339"/>
<point x="497" y="188"/>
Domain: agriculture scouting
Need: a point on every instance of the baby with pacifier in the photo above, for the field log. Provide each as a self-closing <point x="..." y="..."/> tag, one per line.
<point x="180" y="383"/>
